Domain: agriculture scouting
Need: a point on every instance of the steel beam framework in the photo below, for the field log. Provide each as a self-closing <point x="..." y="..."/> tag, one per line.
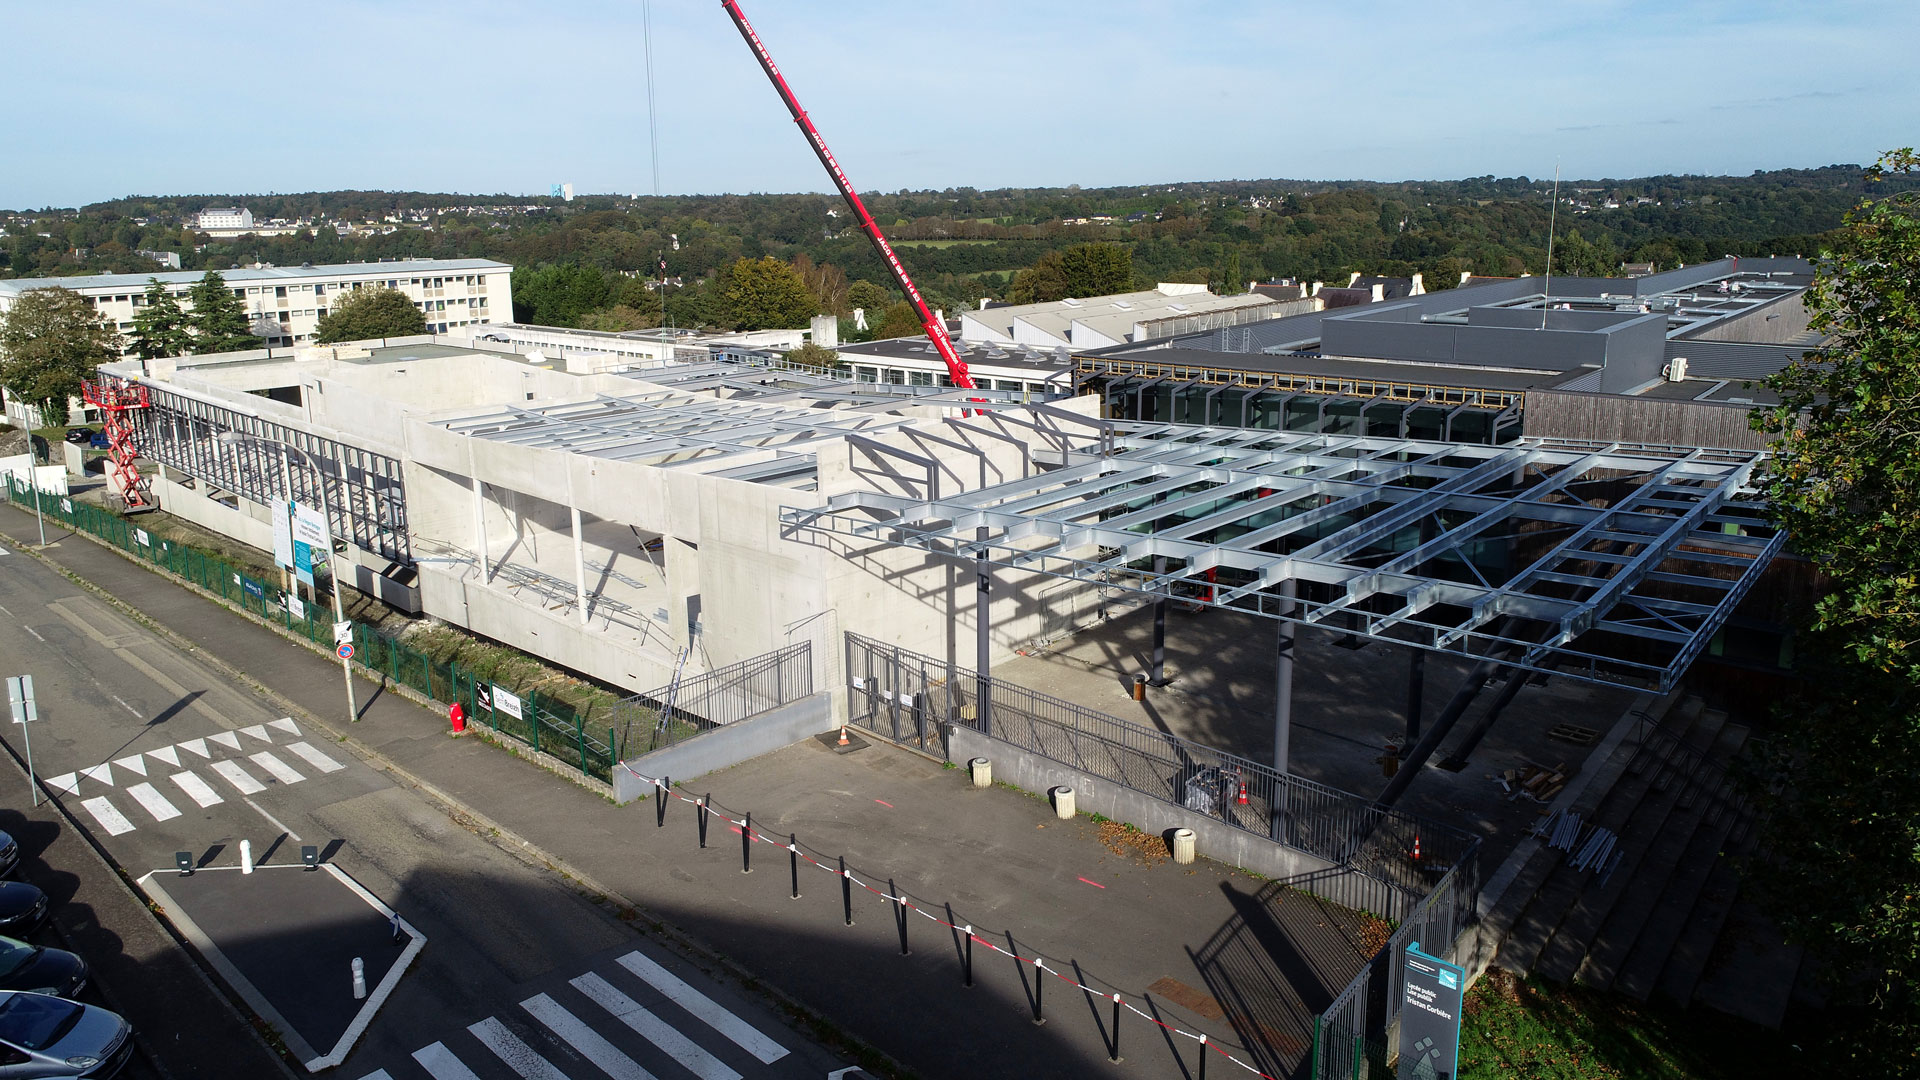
<point x="1608" y="563"/>
<point x="364" y="491"/>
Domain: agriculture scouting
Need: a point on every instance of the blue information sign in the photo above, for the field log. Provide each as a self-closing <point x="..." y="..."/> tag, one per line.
<point x="1429" y="1016"/>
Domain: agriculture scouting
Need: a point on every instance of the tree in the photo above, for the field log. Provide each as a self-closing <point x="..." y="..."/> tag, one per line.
<point x="160" y="328"/>
<point x="869" y="298"/>
<point x="827" y="283"/>
<point x="1080" y="271"/>
<point x="219" y="318"/>
<point x="1844" y="481"/>
<point x="364" y="314"/>
<point x="813" y="356"/>
<point x="764" y="293"/>
<point x="900" y="321"/>
<point x="619" y="319"/>
<point x="51" y="341"/>
<point x="558" y="295"/>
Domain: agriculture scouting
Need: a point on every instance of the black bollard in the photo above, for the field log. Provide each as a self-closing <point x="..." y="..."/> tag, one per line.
<point x="846" y="889"/>
<point x="1116" y="1030"/>
<point x="793" y="861"/>
<point x="899" y="915"/>
<point x="746" y="845"/>
<point x="660" y="811"/>
<point x="1203" y="1057"/>
<point x="700" y="815"/>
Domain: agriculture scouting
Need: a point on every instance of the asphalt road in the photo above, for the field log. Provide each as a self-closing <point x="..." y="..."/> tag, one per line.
<point x="153" y="753"/>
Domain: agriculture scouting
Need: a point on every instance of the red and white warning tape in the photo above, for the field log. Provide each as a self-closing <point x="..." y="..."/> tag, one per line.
<point x="1037" y="962"/>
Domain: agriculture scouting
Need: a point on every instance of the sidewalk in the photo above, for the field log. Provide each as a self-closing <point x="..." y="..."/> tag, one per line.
<point x="1248" y="966"/>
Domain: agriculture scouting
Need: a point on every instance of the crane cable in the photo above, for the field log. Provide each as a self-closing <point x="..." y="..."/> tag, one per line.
<point x="653" y="129"/>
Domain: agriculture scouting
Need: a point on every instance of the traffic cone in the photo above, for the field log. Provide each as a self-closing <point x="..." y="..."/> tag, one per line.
<point x="1416" y="847"/>
<point x="1242" y="800"/>
<point x="844" y="741"/>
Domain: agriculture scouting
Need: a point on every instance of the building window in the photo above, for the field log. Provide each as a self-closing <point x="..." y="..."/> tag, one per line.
<point x="921" y="378"/>
<point x="280" y="291"/>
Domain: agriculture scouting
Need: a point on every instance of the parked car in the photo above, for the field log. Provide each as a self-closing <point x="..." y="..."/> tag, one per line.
<point x="79" y="435"/>
<point x="44" y="1036"/>
<point x="41" y="970"/>
<point x="100" y="441"/>
<point x="23" y="909"/>
<point x="9" y="854"/>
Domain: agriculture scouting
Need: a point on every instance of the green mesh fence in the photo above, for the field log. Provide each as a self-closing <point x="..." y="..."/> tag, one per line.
<point x="546" y="724"/>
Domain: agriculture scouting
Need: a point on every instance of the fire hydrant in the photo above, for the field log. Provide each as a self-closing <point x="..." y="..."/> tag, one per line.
<point x="458" y="717"/>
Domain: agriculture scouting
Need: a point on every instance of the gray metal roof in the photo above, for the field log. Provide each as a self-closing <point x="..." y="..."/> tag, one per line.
<point x="1733" y="360"/>
<point x="1603" y="563"/>
<point x="132" y="282"/>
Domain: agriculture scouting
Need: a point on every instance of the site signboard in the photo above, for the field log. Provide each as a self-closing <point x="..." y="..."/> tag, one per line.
<point x="1429" y="1016"/>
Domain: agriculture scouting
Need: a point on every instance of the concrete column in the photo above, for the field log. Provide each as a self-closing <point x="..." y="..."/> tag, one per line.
<point x="1416" y="690"/>
<point x="1283" y="676"/>
<point x="579" y="568"/>
<point x="984" y="664"/>
<point x="1158" y="677"/>
<point x="480" y="529"/>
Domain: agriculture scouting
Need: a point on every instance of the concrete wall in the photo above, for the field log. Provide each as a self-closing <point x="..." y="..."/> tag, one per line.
<point x="725" y="747"/>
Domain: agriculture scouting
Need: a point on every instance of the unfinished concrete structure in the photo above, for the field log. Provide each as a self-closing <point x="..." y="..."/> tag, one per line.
<point x="606" y="522"/>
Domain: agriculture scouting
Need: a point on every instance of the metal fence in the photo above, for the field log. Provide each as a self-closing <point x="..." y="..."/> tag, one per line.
<point x="546" y="723"/>
<point x="905" y="696"/>
<point x="694" y="706"/>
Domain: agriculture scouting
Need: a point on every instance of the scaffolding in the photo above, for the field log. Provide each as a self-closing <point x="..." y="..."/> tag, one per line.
<point x="118" y="399"/>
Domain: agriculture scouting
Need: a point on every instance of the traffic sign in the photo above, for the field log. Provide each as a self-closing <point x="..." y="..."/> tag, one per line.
<point x="343" y="632"/>
<point x="345" y="651"/>
<point x="20" y="699"/>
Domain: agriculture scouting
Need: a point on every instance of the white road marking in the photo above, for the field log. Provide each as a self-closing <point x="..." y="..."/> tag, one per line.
<point x="743" y="1034"/>
<point x="232" y="773"/>
<point x="518" y="1055"/>
<point x="280" y="770"/>
<point x="378" y="1074"/>
<point x="124" y="705"/>
<point x="441" y="1064"/>
<point x="315" y="758"/>
<point x="102" y="772"/>
<point x="198" y="746"/>
<point x="35" y="633"/>
<point x="226" y="738"/>
<point x="132" y="764"/>
<point x="109" y="818"/>
<point x="653" y="1029"/>
<point x="167" y="754"/>
<point x="258" y="731"/>
<point x="197" y="789"/>
<point x="273" y="821"/>
<point x="153" y="802"/>
<point x="67" y="782"/>
<point x="285" y="724"/>
<point x="584" y="1039"/>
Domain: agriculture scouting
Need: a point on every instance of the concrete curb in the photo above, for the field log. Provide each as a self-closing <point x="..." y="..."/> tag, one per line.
<point x="817" y="1024"/>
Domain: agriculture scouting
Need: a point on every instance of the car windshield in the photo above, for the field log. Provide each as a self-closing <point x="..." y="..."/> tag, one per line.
<point x="35" y="1021"/>
<point x="15" y="955"/>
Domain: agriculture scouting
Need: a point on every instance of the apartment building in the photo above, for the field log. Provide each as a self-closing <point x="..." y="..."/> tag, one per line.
<point x="286" y="303"/>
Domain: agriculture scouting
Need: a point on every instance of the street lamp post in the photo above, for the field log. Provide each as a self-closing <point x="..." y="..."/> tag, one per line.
<point x="326" y="515"/>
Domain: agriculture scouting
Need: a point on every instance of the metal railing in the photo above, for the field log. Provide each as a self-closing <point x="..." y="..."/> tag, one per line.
<point x="698" y="704"/>
<point x="905" y="696"/>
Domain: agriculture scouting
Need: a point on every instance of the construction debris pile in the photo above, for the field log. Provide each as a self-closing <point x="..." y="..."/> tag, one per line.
<point x="1536" y="782"/>
<point x="1590" y="847"/>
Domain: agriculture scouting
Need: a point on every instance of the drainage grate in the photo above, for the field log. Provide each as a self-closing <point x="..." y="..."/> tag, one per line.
<point x="1574" y="733"/>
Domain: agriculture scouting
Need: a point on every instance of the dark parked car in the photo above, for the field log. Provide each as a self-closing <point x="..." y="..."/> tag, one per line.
<point x="9" y="854"/>
<point x="99" y="441"/>
<point x="42" y="1036"/>
<point x="40" y="970"/>
<point x="23" y="909"/>
<point x="79" y="435"/>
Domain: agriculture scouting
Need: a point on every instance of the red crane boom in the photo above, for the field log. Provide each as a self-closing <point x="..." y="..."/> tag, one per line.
<point x="936" y="333"/>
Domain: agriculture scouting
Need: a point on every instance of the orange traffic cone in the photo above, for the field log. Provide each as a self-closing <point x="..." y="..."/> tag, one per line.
<point x="844" y="741"/>
<point x="1416" y="847"/>
<point x="1242" y="800"/>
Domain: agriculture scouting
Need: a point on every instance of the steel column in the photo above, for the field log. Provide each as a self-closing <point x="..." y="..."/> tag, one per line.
<point x="1283" y="701"/>
<point x="1158" y="676"/>
<point x="1416" y="689"/>
<point x="984" y="663"/>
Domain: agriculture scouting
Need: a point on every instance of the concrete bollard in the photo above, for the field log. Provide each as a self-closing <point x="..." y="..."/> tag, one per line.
<point x="982" y="771"/>
<point x="1063" y="803"/>
<point x="246" y="856"/>
<point x="359" y="979"/>
<point x="1183" y="846"/>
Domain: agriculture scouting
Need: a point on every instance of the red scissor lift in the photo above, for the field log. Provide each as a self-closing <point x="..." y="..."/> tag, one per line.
<point x="116" y="398"/>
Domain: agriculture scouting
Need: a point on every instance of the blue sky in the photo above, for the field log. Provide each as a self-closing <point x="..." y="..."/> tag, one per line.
<point x="109" y="99"/>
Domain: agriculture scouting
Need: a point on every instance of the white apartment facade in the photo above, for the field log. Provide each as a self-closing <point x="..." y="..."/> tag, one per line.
<point x="225" y="217"/>
<point x="285" y="303"/>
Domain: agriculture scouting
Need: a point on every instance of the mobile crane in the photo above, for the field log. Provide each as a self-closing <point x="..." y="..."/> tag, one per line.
<point x="936" y="333"/>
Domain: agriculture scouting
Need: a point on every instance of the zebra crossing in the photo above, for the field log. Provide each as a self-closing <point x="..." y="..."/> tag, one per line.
<point x="241" y="775"/>
<point x="596" y="1030"/>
